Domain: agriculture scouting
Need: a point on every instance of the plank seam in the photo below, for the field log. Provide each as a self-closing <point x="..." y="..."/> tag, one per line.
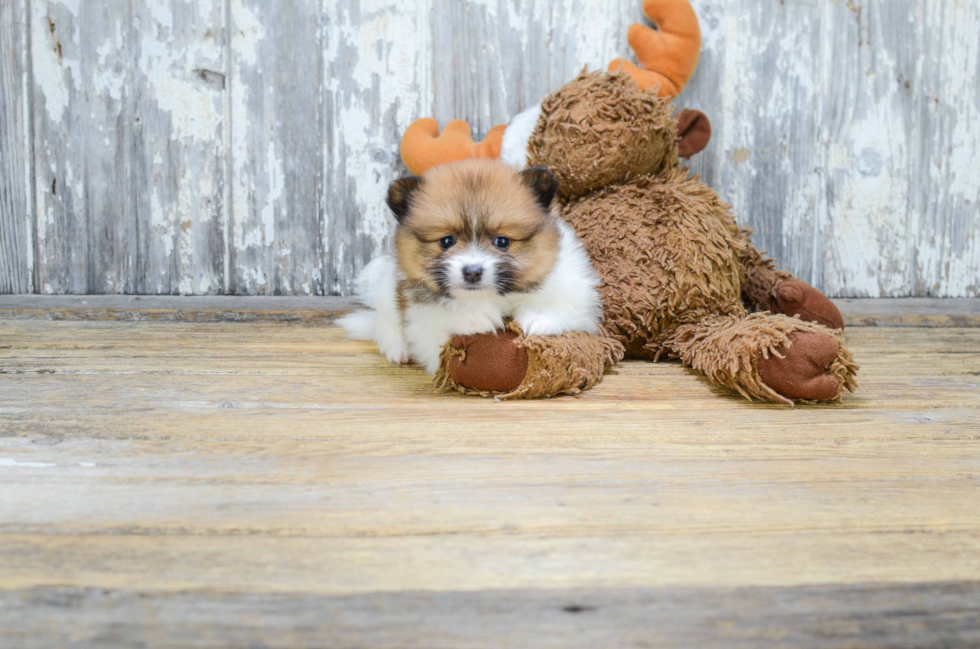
<point x="227" y="210"/>
<point x="31" y="136"/>
<point x="320" y="178"/>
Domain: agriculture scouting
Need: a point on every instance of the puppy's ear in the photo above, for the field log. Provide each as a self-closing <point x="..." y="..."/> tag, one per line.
<point x="542" y="184"/>
<point x="400" y="195"/>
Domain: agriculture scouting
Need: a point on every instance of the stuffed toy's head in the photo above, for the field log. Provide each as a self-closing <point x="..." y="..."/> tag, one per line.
<point x="602" y="129"/>
<point x="595" y="132"/>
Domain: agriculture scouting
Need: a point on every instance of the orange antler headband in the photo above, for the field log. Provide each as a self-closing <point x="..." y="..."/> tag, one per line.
<point x="422" y="146"/>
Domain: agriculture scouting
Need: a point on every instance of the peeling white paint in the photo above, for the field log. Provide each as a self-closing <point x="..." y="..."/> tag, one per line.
<point x="49" y="71"/>
<point x="195" y="107"/>
<point x="274" y="193"/>
<point x="247" y="33"/>
<point x="162" y="224"/>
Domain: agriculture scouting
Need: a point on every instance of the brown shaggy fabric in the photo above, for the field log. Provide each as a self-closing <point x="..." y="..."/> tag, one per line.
<point x="728" y="350"/>
<point x="584" y="126"/>
<point x="555" y="365"/>
<point x="665" y="248"/>
<point x="761" y="275"/>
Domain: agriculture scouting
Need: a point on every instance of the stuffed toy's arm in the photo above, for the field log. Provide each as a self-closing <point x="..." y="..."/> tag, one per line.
<point x="509" y="365"/>
<point x="766" y="288"/>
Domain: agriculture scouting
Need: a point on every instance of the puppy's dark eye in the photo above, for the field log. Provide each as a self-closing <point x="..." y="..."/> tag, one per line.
<point x="501" y="243"/>
<point x="447" y="242"/>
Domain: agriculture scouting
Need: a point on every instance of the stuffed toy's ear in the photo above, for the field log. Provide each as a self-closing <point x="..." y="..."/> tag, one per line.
<point x="693" y="132"/>
<point x="668" y="52"/>
<point x="422" y="147"/>
<point x="400" y="195"/>
<point x="542" y="183"/>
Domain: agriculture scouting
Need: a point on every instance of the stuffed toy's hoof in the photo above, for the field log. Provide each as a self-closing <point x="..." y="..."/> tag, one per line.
<point x="812" y="366"/>
<point x="487" y="362"/>
<point x="793" y="297"/>
<point x="509" y="365"/>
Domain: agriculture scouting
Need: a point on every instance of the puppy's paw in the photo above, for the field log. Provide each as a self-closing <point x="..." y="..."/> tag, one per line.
<point x="400" y="359"/>
<point x="397" y="354"/>
<point x="536" y="323"/>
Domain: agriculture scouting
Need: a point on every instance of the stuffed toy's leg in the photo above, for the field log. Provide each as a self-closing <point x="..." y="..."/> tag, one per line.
<point x="509" y="365"/>
<point x="768" y="357"/>
<point x="767" y="289"/>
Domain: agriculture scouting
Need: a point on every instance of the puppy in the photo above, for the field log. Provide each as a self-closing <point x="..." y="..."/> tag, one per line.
<point x="477" y="243"/>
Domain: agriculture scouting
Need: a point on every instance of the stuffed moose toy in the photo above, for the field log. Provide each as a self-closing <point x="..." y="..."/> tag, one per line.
<point x="679" y="279"/>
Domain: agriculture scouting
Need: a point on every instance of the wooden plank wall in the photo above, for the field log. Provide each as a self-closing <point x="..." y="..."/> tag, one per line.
<point x="16" y="211"/>
<point x="243" y="146"/>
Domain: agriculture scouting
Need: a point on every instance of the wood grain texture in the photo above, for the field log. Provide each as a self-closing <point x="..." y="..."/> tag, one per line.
<point x="860" y="312"/>
<point x="163" y="477"/>
<point x="818" y="617"/>
<point x="16" y="209"/>
<point x="230" y="146"/>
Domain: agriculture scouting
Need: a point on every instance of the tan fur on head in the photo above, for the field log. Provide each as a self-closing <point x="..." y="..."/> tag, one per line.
<point x="601" y="129"/>
<point x="475" y="202"/>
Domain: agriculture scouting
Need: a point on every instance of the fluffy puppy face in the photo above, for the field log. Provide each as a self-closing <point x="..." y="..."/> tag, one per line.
<point x="475" y="227"/>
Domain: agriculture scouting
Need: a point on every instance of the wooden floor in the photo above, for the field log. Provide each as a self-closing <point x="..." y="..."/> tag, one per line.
<point x="272" y="484"/>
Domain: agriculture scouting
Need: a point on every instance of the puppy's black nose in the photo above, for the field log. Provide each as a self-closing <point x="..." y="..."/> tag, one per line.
<point x="472" y="274"/>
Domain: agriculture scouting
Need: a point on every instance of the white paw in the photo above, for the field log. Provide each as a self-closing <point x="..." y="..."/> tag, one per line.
<point x="397" y="355"/>
<point x="539" y="324"/>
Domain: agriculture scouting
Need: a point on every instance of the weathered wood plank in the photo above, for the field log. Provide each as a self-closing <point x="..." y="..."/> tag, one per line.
<point x="492" y="59"/>
<point x="378" y="74"/>
<point x="83" y="59"/>
<point x="875" y="312"/>
<point x="840" y="137"/>
<point x="129" y="146"/>
<point x="264" y="471"/>
<point x="277" y="141"/>
<point x="870" y="145"/>
<point x="310" y="310"/>
<point x="945" y="210"/>
<point x="16" y="209"/>
<point x="178" y="156"/>
<point x="762" y="105"/>
<point x="822" y="617"/>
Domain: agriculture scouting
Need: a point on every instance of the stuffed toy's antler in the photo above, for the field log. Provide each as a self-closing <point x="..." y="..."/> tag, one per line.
<point x="669" y="51"/>
<point x="422" y="147"/>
